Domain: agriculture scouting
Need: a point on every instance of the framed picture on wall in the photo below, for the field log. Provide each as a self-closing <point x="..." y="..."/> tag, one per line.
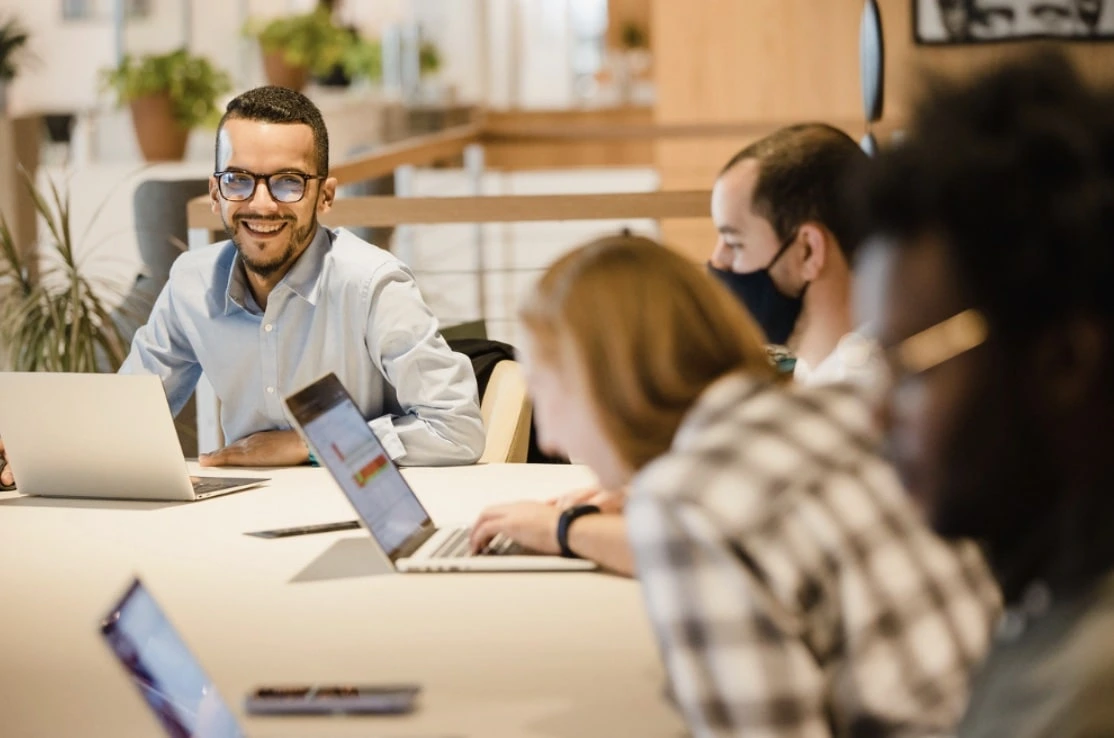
<point x="983" y="21"/>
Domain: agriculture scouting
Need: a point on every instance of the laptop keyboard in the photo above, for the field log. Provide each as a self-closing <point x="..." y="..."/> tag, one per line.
<point x="456" y="545"/>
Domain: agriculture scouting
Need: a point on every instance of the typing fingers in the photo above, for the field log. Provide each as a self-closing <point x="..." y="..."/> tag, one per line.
<point x="484" y="532"/>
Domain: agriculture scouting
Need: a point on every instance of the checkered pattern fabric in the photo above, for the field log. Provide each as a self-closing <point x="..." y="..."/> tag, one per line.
<point x="793" y="588"/>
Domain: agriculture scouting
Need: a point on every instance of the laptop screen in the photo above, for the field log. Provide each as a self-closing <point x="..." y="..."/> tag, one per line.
<point x="346" y="445"/>
<point x="166" y="673"/>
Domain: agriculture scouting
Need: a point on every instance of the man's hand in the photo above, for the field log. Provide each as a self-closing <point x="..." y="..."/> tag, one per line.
<point x="529" y="524"/>
<point x="607" y="502"/>
<point x="266" y="448"/>
<point x="7" y="479"/>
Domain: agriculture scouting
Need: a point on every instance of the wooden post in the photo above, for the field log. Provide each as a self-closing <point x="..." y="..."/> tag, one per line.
<point x="19" y="146"/>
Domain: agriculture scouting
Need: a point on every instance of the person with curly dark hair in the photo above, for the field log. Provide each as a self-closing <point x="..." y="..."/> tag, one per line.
<point x="988" y="274"/>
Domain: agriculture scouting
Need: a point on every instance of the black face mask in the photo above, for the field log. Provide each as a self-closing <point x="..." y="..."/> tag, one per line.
<point x="775" y="312"/>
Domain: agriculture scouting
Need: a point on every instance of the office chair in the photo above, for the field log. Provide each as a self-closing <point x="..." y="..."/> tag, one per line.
<point x="506" y="412"/>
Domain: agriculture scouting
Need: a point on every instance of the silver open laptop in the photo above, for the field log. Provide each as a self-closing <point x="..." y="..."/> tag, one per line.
<point x="342" y="441"/>
<point x="98" y="435"/>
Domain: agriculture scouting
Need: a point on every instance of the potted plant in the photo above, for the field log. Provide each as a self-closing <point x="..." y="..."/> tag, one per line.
<point x="13" y="42"/>
<point x="363" y="60"/>
<point x="53" y="316"/>
<point x="429" y="58"/>
<point x="296" y="46"/>
<point x="169" y="94"/>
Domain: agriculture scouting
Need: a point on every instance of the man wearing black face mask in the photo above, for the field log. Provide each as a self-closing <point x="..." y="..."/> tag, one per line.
<point x="783" y="248"/>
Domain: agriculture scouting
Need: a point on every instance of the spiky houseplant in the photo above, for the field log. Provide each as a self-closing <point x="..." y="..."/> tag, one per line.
<point x="53" y="315"/>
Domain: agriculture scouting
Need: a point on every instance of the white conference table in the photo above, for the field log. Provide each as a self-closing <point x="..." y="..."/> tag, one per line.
<point x="553" y="655"/>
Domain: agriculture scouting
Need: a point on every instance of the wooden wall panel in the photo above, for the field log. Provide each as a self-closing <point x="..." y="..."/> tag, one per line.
<point x="782" y="60"/>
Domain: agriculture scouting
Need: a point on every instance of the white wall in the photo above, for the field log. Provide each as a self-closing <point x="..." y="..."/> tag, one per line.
<point x="69" y="56"/>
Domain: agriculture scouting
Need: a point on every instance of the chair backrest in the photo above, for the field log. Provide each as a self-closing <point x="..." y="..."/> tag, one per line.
<point x="506" y="412"/>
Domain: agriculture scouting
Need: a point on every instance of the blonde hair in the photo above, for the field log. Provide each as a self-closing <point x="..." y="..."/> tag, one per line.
<point x="648" y="331"/>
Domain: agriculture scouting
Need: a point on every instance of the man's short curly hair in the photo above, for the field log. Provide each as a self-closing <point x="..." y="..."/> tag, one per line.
<point x="273" y="104"/>
<point x="1014" y="173"/>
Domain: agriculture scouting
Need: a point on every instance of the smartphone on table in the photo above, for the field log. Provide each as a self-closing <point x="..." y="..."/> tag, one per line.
<point x="389" y="699"/>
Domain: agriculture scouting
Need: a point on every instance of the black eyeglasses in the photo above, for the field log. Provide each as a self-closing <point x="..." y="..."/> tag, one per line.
<point x="284" y="187"/>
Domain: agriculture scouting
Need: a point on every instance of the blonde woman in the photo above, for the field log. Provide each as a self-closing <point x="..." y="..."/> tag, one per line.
<point x="792" y="585"/>
<point x="622" y="337"/>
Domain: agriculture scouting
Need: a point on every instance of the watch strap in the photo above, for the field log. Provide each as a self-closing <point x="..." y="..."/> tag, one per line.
<point x="567" y="517"/>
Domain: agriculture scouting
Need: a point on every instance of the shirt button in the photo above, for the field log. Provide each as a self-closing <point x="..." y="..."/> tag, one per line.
<point x="270" y="390"/>
<point x="269" y="327"/>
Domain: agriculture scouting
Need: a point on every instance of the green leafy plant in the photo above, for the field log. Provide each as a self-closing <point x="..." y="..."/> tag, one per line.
<point x="429" y="58"/>
<point x="53" y="317"/>
<point x="13" y="43"/>
<point x="193" y="83"/>
<point x="310" y="40"/>
<point x="364" y="59"/>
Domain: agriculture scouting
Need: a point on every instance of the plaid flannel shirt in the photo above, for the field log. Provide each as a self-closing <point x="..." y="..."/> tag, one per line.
<point x="792" y="586"/>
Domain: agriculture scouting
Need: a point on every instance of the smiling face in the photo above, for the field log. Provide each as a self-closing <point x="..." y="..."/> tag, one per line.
<point x="269" y="235"/>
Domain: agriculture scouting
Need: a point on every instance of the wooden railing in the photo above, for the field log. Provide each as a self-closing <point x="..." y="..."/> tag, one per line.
<point x="452" y="143"/>
<point x="378" y="211"/>
<point x="417" y="151"/>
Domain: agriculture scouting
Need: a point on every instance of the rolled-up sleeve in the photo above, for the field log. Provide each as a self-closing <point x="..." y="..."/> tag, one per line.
<point x="440" y="424"/>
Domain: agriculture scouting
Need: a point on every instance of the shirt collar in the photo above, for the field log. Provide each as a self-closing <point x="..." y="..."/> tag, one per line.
<point x="303" y="279"/>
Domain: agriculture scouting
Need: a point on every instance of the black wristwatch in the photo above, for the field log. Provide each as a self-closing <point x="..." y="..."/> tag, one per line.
<point x="563" y="523"/>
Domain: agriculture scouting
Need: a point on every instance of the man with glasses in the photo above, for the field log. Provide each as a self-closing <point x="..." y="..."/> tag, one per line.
<point x="286" y="301"/>
<point x="989" y="278"/>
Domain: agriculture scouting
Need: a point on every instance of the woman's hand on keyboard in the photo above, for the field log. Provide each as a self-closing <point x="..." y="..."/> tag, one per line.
<point x="532" y="525"/>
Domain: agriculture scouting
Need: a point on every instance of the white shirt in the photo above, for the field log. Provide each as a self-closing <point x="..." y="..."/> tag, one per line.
<point x="856" y="360"/>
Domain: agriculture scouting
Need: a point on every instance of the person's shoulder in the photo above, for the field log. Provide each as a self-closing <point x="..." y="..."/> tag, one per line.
<point x="1093" y="636"/>
<point x="816" y="417"/>
<point x="749" y="448"/>
<point x="354" y="259"/>
<point x="211" y="264"/>
<point x="1085" y="663"/>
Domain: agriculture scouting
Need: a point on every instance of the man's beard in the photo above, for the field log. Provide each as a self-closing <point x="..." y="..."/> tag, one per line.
<point x="298" y="239"/>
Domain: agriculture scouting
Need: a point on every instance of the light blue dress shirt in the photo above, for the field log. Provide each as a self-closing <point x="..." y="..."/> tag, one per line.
<point x="345" y="307"/>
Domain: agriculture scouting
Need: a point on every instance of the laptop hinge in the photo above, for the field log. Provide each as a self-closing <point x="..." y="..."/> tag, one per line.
<point x="415" y="541"/>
